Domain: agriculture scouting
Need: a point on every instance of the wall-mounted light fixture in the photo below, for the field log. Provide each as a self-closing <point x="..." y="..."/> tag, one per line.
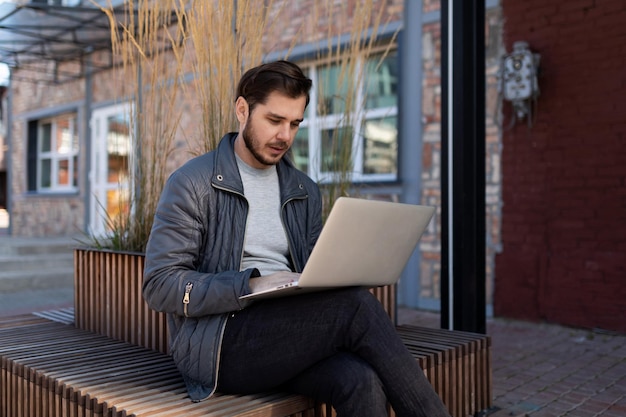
<point x="518" y="81"/>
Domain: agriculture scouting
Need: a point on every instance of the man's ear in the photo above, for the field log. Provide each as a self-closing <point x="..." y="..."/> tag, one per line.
<point x="242" y="109"/>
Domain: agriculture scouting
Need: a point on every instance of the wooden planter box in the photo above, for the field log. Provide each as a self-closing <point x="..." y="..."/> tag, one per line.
<point x="108" y="300"/>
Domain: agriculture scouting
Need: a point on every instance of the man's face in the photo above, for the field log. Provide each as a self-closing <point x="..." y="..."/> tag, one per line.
<point x="268" y="132"/>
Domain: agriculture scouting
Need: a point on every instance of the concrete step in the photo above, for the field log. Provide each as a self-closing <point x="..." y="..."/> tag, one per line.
<point x="11" y="263"/>
<point x="15" y="246"/>
<point x="36" y="264"/>
<point x="13" y="281"/>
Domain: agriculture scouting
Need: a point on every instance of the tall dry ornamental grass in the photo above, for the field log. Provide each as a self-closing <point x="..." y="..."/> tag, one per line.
<point x="151" y="80"/>
<point x="223" y="39"/>
<point x="178" y="55"/>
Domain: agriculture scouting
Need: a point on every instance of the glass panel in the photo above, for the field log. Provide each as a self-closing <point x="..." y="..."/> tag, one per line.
<point x="118" y="147"/>
<point x="64" y="136"/>
<point x="380" y="151"/>
<point x="382" y="81"/>
<point x="75" y="172"/>
<point x="45" y="175"/>
<point x="300" y="149"/>
<point x="332" y="89"/>
<point x="118" y="168"/>
<point x="337" y="150"/>
<point x="117" y="206"/>
<point x="63" y="177"/>
<point x="75" y="135"/>
<point x="46" y="137"/>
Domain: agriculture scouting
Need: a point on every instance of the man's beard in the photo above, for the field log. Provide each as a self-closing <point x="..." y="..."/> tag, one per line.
<point x="254" y="147"/>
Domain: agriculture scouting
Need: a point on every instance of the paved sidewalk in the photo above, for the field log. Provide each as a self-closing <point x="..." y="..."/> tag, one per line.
<point x="542" y="370"/>
<point x="23" y="302"/>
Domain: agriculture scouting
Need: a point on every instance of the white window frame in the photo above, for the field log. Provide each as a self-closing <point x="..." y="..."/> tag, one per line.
<point x="66" y="3"/>
<point x="316" y="123"/>
<point x="54" y="156"/>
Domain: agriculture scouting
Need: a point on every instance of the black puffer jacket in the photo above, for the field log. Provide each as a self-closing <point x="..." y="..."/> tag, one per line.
<point x="193" y="257"/>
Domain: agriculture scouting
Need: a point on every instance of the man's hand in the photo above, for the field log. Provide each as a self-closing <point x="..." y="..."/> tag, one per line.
<point x="273" y="280"/>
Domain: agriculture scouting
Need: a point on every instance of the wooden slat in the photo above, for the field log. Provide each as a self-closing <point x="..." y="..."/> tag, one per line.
<point x="63" y="315"/>
<point x="387" y="297"/>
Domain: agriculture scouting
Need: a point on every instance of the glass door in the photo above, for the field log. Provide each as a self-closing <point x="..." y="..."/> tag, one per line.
<point x="111" y="157"/>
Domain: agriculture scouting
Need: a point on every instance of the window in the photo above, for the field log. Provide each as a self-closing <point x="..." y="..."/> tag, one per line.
<point x="351" y="127"/>
<point x="69" y="3"/>
<point x="53" y="154"/>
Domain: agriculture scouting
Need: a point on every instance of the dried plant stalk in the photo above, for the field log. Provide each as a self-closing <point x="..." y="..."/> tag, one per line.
<point x="224" y="39"/>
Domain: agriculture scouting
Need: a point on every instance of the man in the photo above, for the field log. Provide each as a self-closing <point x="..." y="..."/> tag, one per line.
<point x="232" y="220"/>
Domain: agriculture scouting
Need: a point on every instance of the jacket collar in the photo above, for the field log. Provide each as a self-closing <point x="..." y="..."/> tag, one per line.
<point x="226" y="173"/>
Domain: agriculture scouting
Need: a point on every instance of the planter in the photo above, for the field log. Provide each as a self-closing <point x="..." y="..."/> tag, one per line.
<point x="108" y="300"/>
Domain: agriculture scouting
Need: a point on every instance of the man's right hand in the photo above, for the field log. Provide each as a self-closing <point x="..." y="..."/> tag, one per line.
<point x="273" y="280"/>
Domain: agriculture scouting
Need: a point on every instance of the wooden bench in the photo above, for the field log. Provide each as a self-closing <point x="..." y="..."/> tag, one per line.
<point x="113" y="361"/>
<point x="55" y="369"/>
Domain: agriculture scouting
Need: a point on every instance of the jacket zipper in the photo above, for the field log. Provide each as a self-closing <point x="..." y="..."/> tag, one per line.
<point x="188" y="288"/>
<point x="219" y="351"/>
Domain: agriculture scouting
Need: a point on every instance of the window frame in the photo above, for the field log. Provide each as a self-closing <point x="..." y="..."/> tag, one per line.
<point x="316" y="124"/>
<point x="55" y="157"/>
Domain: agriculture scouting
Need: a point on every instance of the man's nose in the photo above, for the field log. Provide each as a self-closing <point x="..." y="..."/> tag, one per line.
<point x="284" y="131"/>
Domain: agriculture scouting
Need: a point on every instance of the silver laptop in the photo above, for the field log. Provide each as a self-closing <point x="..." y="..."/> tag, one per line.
<point x="363" y="243"/>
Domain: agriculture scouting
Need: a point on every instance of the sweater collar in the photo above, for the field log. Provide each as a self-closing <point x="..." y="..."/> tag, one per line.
<point x="226" y="173"/>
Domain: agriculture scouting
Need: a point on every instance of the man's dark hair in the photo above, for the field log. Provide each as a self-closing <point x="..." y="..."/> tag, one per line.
<point x="281" y="76"/>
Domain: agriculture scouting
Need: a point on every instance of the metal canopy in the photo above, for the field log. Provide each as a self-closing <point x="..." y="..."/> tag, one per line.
<point x="52" y="42"/>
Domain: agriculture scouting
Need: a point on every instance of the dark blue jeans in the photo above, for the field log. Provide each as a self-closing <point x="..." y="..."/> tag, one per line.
<point x="338" y="347"/>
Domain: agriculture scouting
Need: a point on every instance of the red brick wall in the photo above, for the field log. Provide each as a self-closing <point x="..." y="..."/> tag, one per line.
<point x="564" y="179"/>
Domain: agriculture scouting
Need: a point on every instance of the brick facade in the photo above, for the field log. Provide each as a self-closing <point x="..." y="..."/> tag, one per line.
<point x="564" y="179"/>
